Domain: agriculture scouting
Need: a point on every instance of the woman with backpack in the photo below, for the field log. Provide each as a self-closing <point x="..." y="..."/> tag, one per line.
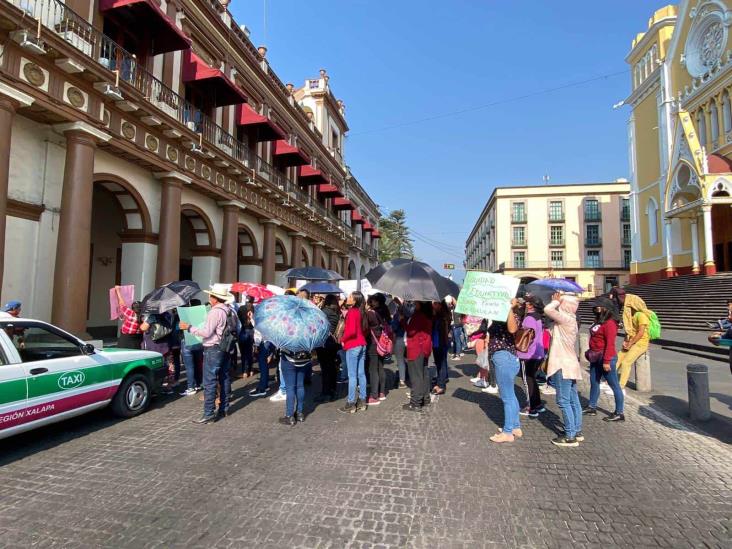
<point x="532" y="357"/>
<point x="378" y="317"/>
<point x="636" y="321"/>
<point x="441" y="343"/>
<point x="603" y="357"/>
<point x="354" y="343"/>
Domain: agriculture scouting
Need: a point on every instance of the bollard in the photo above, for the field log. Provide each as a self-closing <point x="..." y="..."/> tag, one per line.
<point x="643" y="373"/>
<point x="697" y="378"/>
<point x="584" y="344"/>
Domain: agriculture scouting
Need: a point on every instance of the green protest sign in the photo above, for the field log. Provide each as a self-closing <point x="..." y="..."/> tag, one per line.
<point x="196" y="317"/>
<point x="487" y="295"/>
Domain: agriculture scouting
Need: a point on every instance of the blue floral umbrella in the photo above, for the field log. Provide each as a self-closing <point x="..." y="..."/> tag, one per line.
<point x="291" y="323"/>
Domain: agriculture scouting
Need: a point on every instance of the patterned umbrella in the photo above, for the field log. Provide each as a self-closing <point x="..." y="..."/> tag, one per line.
<point x="257" y="291"/>
<point x="291" y="323"/>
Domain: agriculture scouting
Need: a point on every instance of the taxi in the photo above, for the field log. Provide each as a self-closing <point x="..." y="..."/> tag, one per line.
<point x="47" y="375"/>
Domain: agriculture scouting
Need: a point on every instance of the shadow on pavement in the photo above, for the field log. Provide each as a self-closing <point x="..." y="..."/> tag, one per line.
<point x="718" y="426"/>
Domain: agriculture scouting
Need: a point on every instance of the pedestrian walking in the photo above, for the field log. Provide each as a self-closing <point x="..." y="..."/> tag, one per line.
<point x="219" y="336"/>
<point x="564" y="366"/>
<point x="328" y="353"/>
<point x="378" y="316"/>
<point x="354" y="343"/>
<point x="502" y="349"/>
<point x="440" y="344"/>
<point x="636" y="321"/>
<point x="603" y="358"/>
<point x="532" y="358"/>
<point x="419" y="346"/>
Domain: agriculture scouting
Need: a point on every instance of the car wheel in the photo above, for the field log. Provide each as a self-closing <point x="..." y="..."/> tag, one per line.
<point x="133" y="396"/>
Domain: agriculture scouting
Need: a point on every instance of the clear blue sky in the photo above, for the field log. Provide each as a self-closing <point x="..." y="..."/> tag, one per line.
<point x="394" y="62"/>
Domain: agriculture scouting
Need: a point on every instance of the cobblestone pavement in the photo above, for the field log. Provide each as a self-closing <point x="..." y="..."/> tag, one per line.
<point x="385" y="477"/>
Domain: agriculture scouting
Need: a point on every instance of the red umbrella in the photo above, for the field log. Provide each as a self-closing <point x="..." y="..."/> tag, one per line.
<point x="257" y="291"/>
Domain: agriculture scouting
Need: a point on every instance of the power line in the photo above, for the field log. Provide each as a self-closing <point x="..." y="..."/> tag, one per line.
<point x="445" y="245"/>
<point x="492" y="104"/>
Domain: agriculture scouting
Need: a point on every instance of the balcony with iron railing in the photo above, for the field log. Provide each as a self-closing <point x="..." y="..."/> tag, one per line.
<point x="593" y="242"/>
<point x="593" y="216"/>
<point x="556" y="217"/>
<point x="556" y="242"/>
<point x="519" y="243"/>
<point x="567" y="265"/>
<point x="518" y="217"/>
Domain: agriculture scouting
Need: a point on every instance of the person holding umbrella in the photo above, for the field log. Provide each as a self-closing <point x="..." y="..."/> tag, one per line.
<point x="217" y="338"/>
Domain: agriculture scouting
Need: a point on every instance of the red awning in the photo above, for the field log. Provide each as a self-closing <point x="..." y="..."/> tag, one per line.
<point x="145" y="16"/>
<point x="307" y="175"/>
<point x="267" y="130"/>
<point x="718" y="164"/>
<point x="375" y="234"/>
<point x="356" y="217"/>
<point x="342" y="204"/>
<point x="368" y="227"/>
<point x="290" y="154"/>
<point x="329" y="190"/>
<point x="211" y="82"/>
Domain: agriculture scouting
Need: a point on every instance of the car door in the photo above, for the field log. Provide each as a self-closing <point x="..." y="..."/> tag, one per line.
<point x="62" y="378"/>
<point x="13" y="385"/>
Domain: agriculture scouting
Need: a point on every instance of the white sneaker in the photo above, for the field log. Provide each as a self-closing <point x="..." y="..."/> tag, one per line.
<point x="189" y="392"/>
<point x="462" y="354"/>
<point x="481" y="383"/>
<point x="279" y="396"/>
<point x="493" y="390"/>
<point x="474" y="379"/>
<point x="547" y="390"/>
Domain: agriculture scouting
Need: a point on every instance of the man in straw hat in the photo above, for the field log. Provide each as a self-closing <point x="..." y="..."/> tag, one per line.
<point x="215" y="335"/>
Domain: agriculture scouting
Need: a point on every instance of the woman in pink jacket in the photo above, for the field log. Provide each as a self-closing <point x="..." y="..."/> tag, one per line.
<point x="564" y="366"/>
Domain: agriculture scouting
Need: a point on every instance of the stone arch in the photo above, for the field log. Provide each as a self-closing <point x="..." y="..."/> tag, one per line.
<point x="684" y="187"/>
<point x="305" y="257"/>
<point x="351" y="274"/>
<point x="721" y="187"/>
<point x="136" y="215"/>
<point x="201" y="225"/>
<point x="247" y="249"/>
<point x="280" y="255"/>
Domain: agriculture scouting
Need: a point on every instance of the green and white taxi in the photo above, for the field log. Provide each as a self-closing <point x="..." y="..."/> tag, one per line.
<point x="47" y="375"/>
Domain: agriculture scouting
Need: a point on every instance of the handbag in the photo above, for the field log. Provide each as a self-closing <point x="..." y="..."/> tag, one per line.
<point x="340" y="328"/>
<point x="523" y="338"/>
<point x="593" y="356"/>
<point x="483" y="360"/>
<point x="159" y="331"/>
<point x="385" y="342"/>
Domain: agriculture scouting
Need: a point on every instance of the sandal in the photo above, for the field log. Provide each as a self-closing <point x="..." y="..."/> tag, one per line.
<point x="518" y="433"/>
<point x="502" y="437"/>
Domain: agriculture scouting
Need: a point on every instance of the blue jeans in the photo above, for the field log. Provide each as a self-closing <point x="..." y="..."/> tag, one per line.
<point x="295" y="379"/>
<point x="189" y="354"/>
<point x="265" y="350"/>
<point x="440" y="356"/>
<point x="507" y="367"/>
<point x="596" y="374"/>
<point x="343" y="373"/>
<point x="246" y="349"/>
<point x="568" y="401"/>
<point x="458" y="340"/>
<point x="215" y="374"/>
<point x="356" y="359"/>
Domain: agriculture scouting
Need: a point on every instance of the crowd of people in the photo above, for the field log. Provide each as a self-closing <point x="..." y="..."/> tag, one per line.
<point x="537" y="342"/>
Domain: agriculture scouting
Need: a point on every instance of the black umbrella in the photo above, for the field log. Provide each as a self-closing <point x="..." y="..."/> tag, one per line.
<point x="544" y="293"/>
<point x="169" y="296"/>
<point x="312" y="273"/>
<point x="412" y="281"/>
<point x="378" y="271"/>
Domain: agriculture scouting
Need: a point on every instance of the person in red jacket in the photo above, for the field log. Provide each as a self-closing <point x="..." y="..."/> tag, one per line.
<point x="603" y="357"/>
<point x="354" y="343"/>
<point x="419" y="347"/>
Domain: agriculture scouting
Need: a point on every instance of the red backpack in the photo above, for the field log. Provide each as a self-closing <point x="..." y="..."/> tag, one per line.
<point x="385" y="342"/>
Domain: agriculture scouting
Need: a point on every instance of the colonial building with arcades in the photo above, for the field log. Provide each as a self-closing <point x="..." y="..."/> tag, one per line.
<point x="145" y="141"/>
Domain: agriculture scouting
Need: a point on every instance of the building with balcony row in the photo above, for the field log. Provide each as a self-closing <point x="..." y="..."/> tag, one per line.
<point x="680" y="141"/>
<point x="145" y="141"/>
<point x="581" y="232"/>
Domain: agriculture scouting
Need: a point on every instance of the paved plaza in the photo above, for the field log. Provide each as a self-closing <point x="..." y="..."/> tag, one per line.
<point x="386" y="478"/>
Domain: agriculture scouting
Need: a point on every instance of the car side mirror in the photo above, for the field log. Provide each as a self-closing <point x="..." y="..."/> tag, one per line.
<point x="88" y="349"/>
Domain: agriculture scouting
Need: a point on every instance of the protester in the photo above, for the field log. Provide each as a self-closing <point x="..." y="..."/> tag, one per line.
<point x="419" y="347"/>
<point x="303" y="294"/>
<point x="636" y="321"/>
<point x="378" y="318"/>
<point x="192" y="357"/>
<point x="478" y="340"/>
<point x="216" y="344"/>
<point x="532" y="358"/>
<point x="354" y="343"/>
<point x="564" y="366"/>
<point x="502" y="349"/>
<point x="246" y="336"/>
<point x="328" y="354"/>
<point x="440" y="344"/>
<point x="130" y="333"/>
<point x="157" y="331"/>
<point x="294" y="366"/>
<point x="603" y="358"/>
<point x="458" y="331"/>
<point x="398" y="324"/>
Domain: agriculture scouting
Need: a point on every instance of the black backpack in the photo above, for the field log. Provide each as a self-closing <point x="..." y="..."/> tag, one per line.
<point x="230" y="335"/>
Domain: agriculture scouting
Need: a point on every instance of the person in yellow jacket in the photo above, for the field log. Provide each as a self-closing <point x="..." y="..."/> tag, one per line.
<point x="636" y="320"/>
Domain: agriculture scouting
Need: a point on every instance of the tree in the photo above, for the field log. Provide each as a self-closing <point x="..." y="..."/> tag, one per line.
<point x="395" y="239"/>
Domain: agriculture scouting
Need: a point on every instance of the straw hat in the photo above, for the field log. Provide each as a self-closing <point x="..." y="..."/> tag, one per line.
<point x="221" y="291"/>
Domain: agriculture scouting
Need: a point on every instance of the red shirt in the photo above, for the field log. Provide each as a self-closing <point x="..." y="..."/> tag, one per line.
<point x="602" y="339"/>
<point x="419" y="336"/>
<point x="352" y="333"/>
<point x="130" y="321"/>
